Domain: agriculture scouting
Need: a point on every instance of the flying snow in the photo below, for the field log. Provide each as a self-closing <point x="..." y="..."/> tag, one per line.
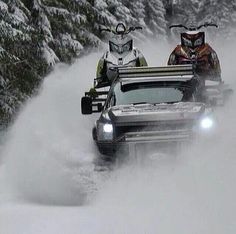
<point x="48" y="159"/>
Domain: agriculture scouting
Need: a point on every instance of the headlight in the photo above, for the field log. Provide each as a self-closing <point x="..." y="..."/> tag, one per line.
<point x="207" y="123"/>
<point x="105" y="132"/>
<point x="107" y="128"/>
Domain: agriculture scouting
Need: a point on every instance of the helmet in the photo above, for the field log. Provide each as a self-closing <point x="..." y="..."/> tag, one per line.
<point x="120" y="44"/>
<point x="193" y="39"/>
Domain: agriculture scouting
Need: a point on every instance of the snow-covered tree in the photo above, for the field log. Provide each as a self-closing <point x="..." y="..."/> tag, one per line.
<point x="155" y="17"/>
<point x="36" y="34"/>
<point x="184" y="12"/>
<point x="221" y="12"/>
<point x="137" y="11"/>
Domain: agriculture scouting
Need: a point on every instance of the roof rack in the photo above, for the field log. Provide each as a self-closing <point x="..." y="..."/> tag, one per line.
<point x="166" y="73"/>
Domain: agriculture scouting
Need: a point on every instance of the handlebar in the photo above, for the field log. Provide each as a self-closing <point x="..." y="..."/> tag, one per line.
<point x="124" y="31"/>
<point x="177" y="26"/>
<point x="194" y="28"/>
<point x="104" y="29"/>
<point x="210" y="24"/>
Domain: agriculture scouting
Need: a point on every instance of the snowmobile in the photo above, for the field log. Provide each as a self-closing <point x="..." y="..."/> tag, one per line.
<point x="121" y="53"/>
<point x="194" y="50"/>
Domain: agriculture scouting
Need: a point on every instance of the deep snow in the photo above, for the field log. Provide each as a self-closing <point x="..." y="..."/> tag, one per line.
<point x="48" y="183"/>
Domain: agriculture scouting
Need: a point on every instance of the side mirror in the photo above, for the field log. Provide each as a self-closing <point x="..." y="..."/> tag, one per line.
<point x="86" y="105"/>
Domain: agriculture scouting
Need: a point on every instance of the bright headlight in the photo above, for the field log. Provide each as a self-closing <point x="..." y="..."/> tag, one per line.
<point x="107" y="128"/>
<point x="207" y="123"/>
<point x="105" y="132"/>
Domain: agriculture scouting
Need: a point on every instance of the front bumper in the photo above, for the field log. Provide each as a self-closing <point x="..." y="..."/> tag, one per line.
<point x="159" y="140"/>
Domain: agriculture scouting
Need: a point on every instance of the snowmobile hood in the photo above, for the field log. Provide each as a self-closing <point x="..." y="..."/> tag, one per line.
<point x="158" y="112"/>
<point x="125" y="59"/>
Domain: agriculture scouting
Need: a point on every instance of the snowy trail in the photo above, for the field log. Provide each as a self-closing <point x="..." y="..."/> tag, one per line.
<point x="47" y="171"/>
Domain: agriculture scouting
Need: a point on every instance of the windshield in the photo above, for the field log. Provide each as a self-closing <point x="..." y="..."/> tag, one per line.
<point x="153" y="93"/>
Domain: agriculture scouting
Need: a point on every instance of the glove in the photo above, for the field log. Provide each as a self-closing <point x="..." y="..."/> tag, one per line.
<point x="93" y="93"/>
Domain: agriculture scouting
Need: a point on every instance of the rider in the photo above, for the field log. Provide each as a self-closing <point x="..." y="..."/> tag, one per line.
<point x="194" y="50"/>
<point x="121" y="53"/>
<point x="104" y="67"/>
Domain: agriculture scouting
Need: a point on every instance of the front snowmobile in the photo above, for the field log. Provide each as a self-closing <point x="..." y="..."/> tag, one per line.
<point x="121" y="53"/>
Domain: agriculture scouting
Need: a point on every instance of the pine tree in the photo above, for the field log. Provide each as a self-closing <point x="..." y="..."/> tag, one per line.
<point x="221" y="13"/>
<point x="36" y="34"/>
<point x="137" y="12"/>
<point x="155" y="17"/>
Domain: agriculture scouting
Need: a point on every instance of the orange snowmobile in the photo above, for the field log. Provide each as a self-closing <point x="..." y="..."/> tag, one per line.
<point x="194" y="50"/>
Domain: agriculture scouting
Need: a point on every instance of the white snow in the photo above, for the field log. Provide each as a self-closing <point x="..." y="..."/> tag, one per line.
<point x="57" y="11"/>
<point x="49" y="55"/>
<point x="19" y="15"/>
<point x="79" y="18"/>
<point x="100" y="4"/>
<point x="37" y="4"/>
<point x="45" y="23"/>
<point x="7" y="29"/>
<point x="47" y="168"/>
<point x="3" y="6"/>
<point x="1" y="50"/>
<point x="69" y="42"/>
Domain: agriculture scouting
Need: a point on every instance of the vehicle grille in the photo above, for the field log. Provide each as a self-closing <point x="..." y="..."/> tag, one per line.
<point x="171" y="130"/>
